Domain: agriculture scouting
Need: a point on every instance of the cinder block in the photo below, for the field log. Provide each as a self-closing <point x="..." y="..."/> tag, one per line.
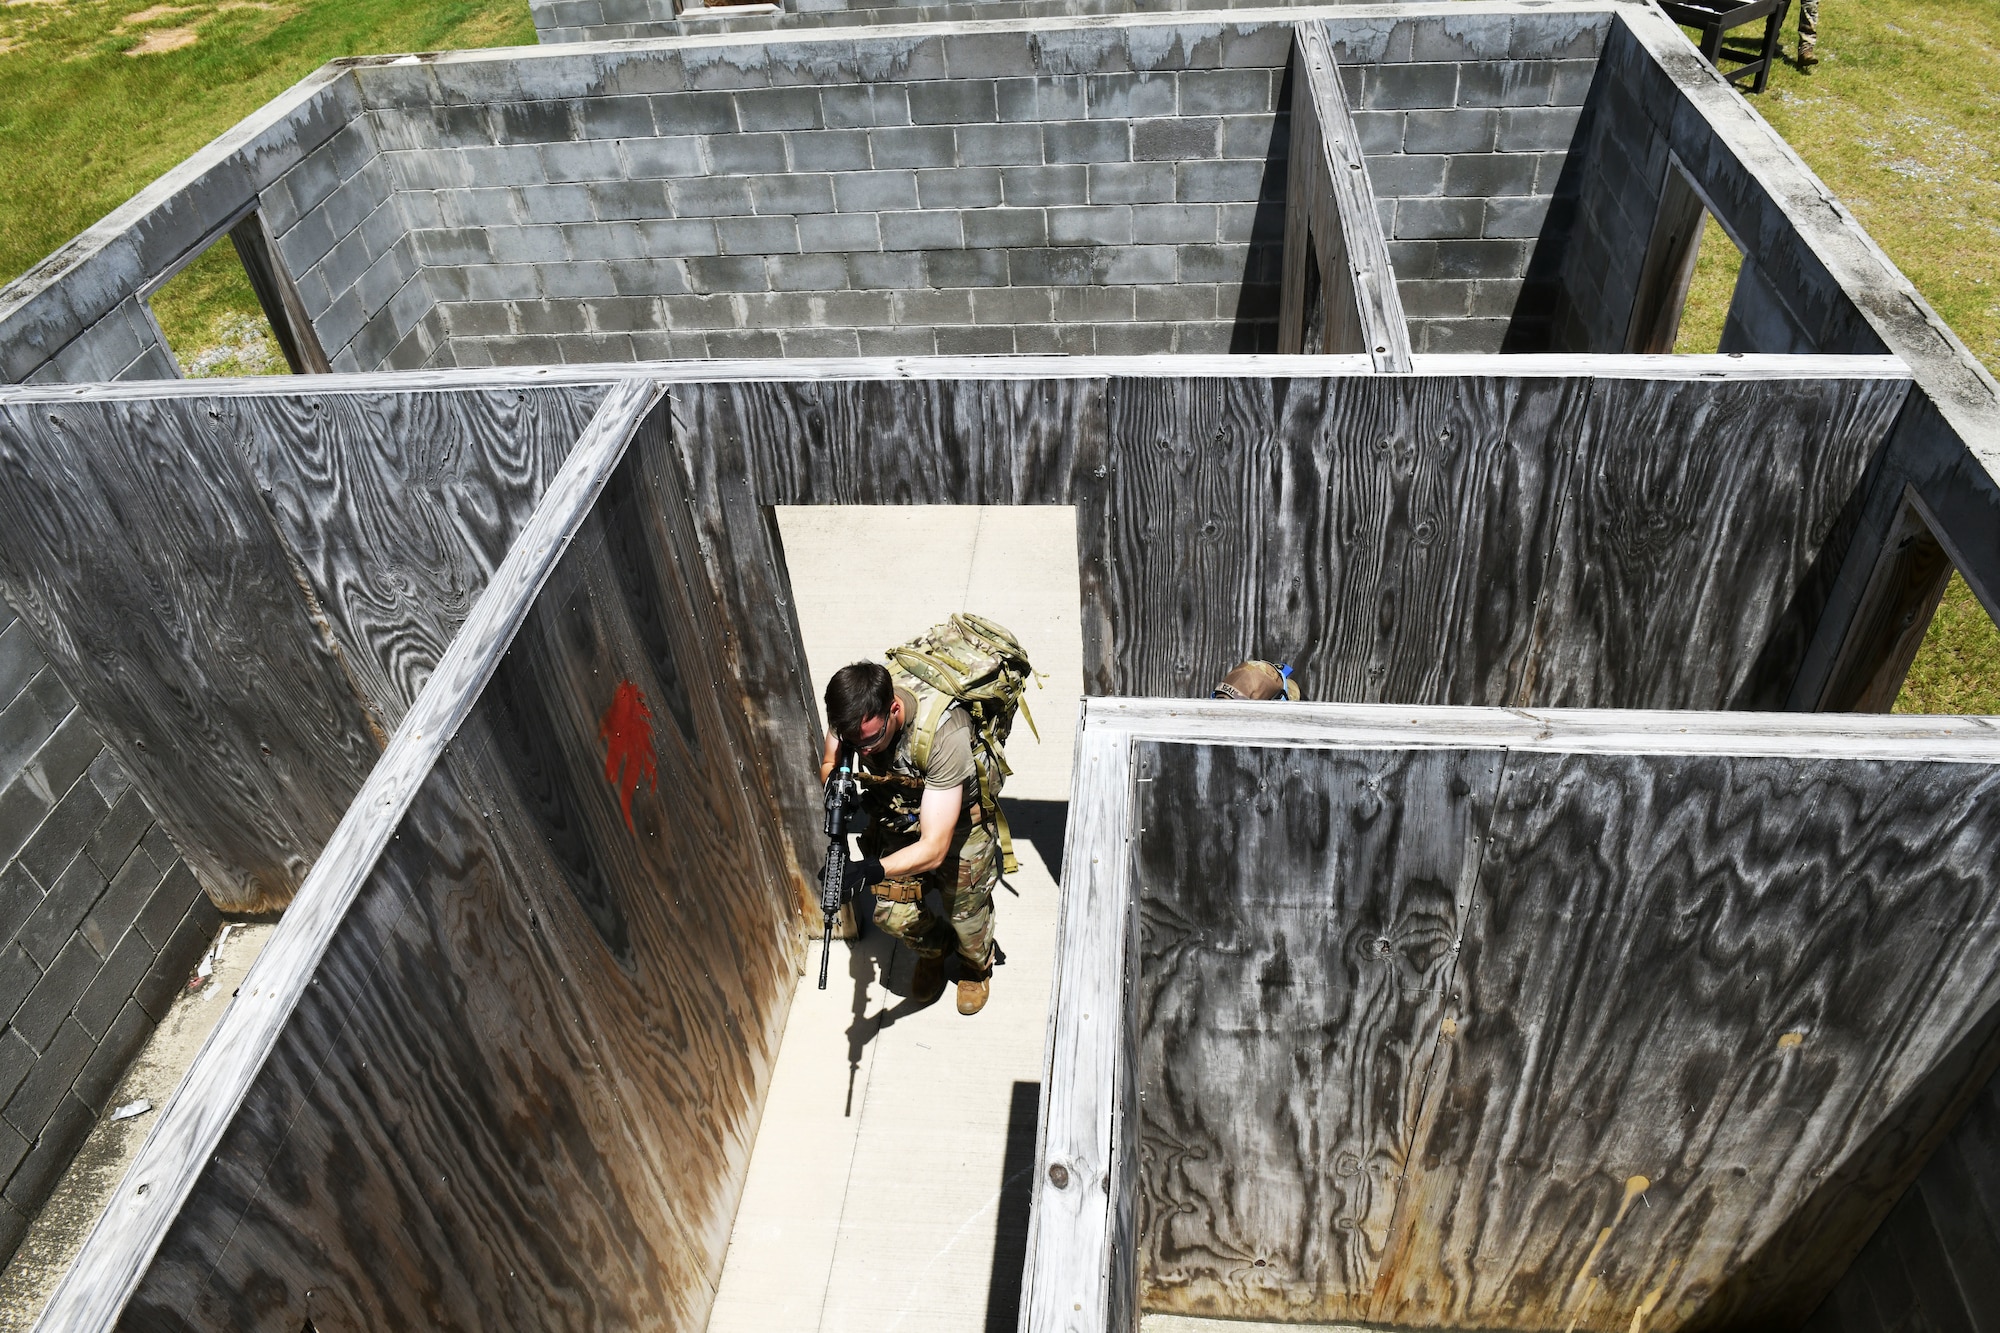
<point x="829" y="150"/>
<point x="1177" y="304"/>
<point x="702" y="313"/>
<point x="110" y="990"/>
<point x="990" y="54"/>
<point x="965" y="341"/>
<point x="1492" y="174"/>
<point x="1213" y="263"/>
<point x="1104" y="224"/>
<point x="43" y="1014"/>
<point x="745" y="343"/>
<point x="875" y="191"/>
<point x="118" y="836"/>
<point x="969" y="101"/>
<point x="739" y="273"/>
<point x="1401" y="175"/>
<point x="1176" y="140"/>
<point x="1054" y="340"/>
<point x="62" y="1133"/>
<point x="1132" y="183"/>
<point x="777" y="310"/>
<point x="613" y="118"/>
<point x="1537" y="129"/>
<point x="695" y="113"/>
<point x="553" y="204"/>
<point x="648" y="159"/>
<point x="62" y="835"/>
<point x="124" y="1038"/>
<point x="1470" y="36"/>
<point x="613" y="315"/>
<point x="1469" y="258"/>
<point x="1258" y="137"/>
<point x="967" y="268"/>
<point x="1578" y="36"/>
<point x="1086" y="141"/>
<point x="584" y="280"/>
<point x="27" y="723"/>
<point x="914" y="146"/>
<point x="731" y="66"/>
<point x="903" y="58"/>
<point x="19" y="975"/>
<point x="999" y="145"/>
<point x="66" y="755"/>
<point x="532" y="122"/>
<point x="1175" y="224"/>
<point x="839" y="232"/>
<point x="896" y="342"/>
<point x="1435" y="298"/>
<point x="886" y="272"/>
<point x="965" y="187"/>
<point x="1227" y="92"/>
<point x="680" y="237"/>
<point x="1046" y="187"/>
<point x="1451" y="131"/>
<point x="921" y="231"/>
<point x="1092" y="304"/>
<point x="862" y="105"/>
<point x="779" y="109"/>
<point x="20" y="895"/>
<point x="1432" y="219"/>
<point x="524" y="245"/>
<point x="1506" y="83"/>
<point x="1382" y="132"/>
<point x="720" y="196"/>
<point x="451" y="246"/>
<point x="1571" y="84"/>
<point x="1134" y="339"/>
<point x="1495" y="298"/>
<point x="1000" y="228"/>
<point x="1217" y="182"/>
<point x="848" y="310"/>
<point x="16" y="1059"/>
<point x="1012" y="305"/>
<point x="819" y="342"/>
<point x="1040" y="99"/>
<point x="807" y="273"/>
<point x="1403" y="87"/>
<point x="1131" y="96"/>
<point x="794" y="193"/>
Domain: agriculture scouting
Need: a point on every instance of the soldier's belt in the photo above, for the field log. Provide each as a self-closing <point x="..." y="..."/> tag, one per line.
<point x="899" y="890"/>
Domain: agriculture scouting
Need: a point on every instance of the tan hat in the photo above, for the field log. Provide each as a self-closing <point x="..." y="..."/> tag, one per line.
<point x="1257" y="680"/>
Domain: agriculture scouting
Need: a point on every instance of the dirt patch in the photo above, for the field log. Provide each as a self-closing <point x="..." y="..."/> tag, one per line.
<point x="166" y="39"/>
<point x="148" y="15"/>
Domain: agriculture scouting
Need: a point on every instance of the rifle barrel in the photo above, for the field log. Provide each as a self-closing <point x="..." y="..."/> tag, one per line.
<point x="825" y="951"/>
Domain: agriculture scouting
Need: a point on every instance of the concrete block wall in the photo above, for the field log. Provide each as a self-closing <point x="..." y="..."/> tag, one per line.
<point x="343" y="238"/>
<point x="101" y="921"/>
<point x="1467" y="123"/>
<point x="1089" y="189"/>
<point x="1637" y="114"/>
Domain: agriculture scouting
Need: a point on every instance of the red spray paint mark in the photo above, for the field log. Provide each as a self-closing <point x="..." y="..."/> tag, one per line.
<point x="627" y="733"/>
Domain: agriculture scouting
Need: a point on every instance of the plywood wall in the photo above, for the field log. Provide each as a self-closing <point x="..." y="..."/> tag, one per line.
<point x="1486" y="1039"/>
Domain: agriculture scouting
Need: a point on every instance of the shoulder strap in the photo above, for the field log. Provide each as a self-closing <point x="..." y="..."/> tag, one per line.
<point x="931" y="707"/>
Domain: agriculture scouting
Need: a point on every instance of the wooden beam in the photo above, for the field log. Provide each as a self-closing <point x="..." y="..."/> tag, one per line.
<point x="1339" y="288"/>
<point x="183" y="1141"/>
<point x="1668" y="268"/>
<point x="278" y="295"/>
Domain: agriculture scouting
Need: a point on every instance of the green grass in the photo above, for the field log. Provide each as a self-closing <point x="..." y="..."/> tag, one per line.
<point x="1716" y="265"/>
<point x="212" y="321"/>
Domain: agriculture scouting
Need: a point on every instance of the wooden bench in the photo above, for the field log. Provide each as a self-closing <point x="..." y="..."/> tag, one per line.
<point x="1716" y="18"/>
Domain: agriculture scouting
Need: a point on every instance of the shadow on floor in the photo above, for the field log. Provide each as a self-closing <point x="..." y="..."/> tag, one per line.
<point x="1010" y="1244"/>
<point x="1041" y="823"/>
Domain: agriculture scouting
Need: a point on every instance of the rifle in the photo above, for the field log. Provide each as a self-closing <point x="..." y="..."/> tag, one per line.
<point x="843" y="800"/>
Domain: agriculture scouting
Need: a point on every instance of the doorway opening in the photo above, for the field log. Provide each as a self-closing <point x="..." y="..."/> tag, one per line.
<point x="1957" y="665"/>
<point x="1688" y="281"/>
<point x="231" y="310"/>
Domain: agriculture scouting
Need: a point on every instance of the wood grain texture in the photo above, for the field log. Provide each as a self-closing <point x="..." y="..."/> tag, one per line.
<point x="1293" y="961"/>
<point x="1646" y="935"/>
<point x="1081" y="1265"/>
<point x="133" y="540"/>
<point x="215" y="1096"/>
<point x="399" y="507"/>
<point x="1694" y="515"/>
<point x="548" y="1069"/>
<point x="1385" y="536"/>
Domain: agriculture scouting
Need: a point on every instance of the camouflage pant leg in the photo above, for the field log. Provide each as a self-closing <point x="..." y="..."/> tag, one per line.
<point x="965" y="881"/>
<point x="1808" y="18"/>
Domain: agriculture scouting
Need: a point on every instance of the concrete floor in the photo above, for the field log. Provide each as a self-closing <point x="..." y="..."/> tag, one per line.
<point x="888" y="1191"/>
<point x="72" y="1211"/>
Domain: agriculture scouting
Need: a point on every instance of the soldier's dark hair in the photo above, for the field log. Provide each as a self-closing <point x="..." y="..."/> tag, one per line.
<point x="857" y="692"/>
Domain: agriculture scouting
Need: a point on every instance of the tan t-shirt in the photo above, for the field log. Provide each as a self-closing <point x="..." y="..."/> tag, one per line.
<point x="951" y="750"/>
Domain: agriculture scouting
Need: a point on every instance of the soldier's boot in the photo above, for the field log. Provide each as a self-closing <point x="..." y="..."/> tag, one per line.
<point x="973" y="985"/>
<point x="1808" y="51"/>
<point x="927" y="982"/>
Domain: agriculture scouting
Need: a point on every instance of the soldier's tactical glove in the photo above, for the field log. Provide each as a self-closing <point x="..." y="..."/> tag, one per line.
<point x="858" y="875"/>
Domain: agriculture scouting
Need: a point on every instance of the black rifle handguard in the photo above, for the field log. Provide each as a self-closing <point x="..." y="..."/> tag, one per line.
<point x="843" y="799"/>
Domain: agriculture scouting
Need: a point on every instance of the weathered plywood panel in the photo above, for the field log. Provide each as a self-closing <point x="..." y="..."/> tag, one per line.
<point x="524" y="1091"/>
<point x="1385" y="536"/>
<point x="1679" y="578"/>
<point x="1299" y="920"/>
<point x="134" y="541"/>
<point x="399" y="507"/>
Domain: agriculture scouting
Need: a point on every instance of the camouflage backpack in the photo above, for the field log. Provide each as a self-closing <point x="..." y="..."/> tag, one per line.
<point x="970" y="663"/>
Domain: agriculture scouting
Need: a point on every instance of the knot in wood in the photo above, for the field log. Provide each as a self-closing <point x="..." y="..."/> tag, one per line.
<point x="1059" y="1175"/>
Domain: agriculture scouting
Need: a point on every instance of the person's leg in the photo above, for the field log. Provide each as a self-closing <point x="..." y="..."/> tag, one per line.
<point x="1808" y="32"/>
<point x="968" y="877"/>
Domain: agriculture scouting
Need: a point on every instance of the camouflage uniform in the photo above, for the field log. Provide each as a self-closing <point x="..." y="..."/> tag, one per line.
<point x="892" y="789"/>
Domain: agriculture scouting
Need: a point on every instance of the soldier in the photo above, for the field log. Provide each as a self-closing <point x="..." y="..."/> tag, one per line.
<point x="926" y="828"/>
<point x="1808" y="33"/>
